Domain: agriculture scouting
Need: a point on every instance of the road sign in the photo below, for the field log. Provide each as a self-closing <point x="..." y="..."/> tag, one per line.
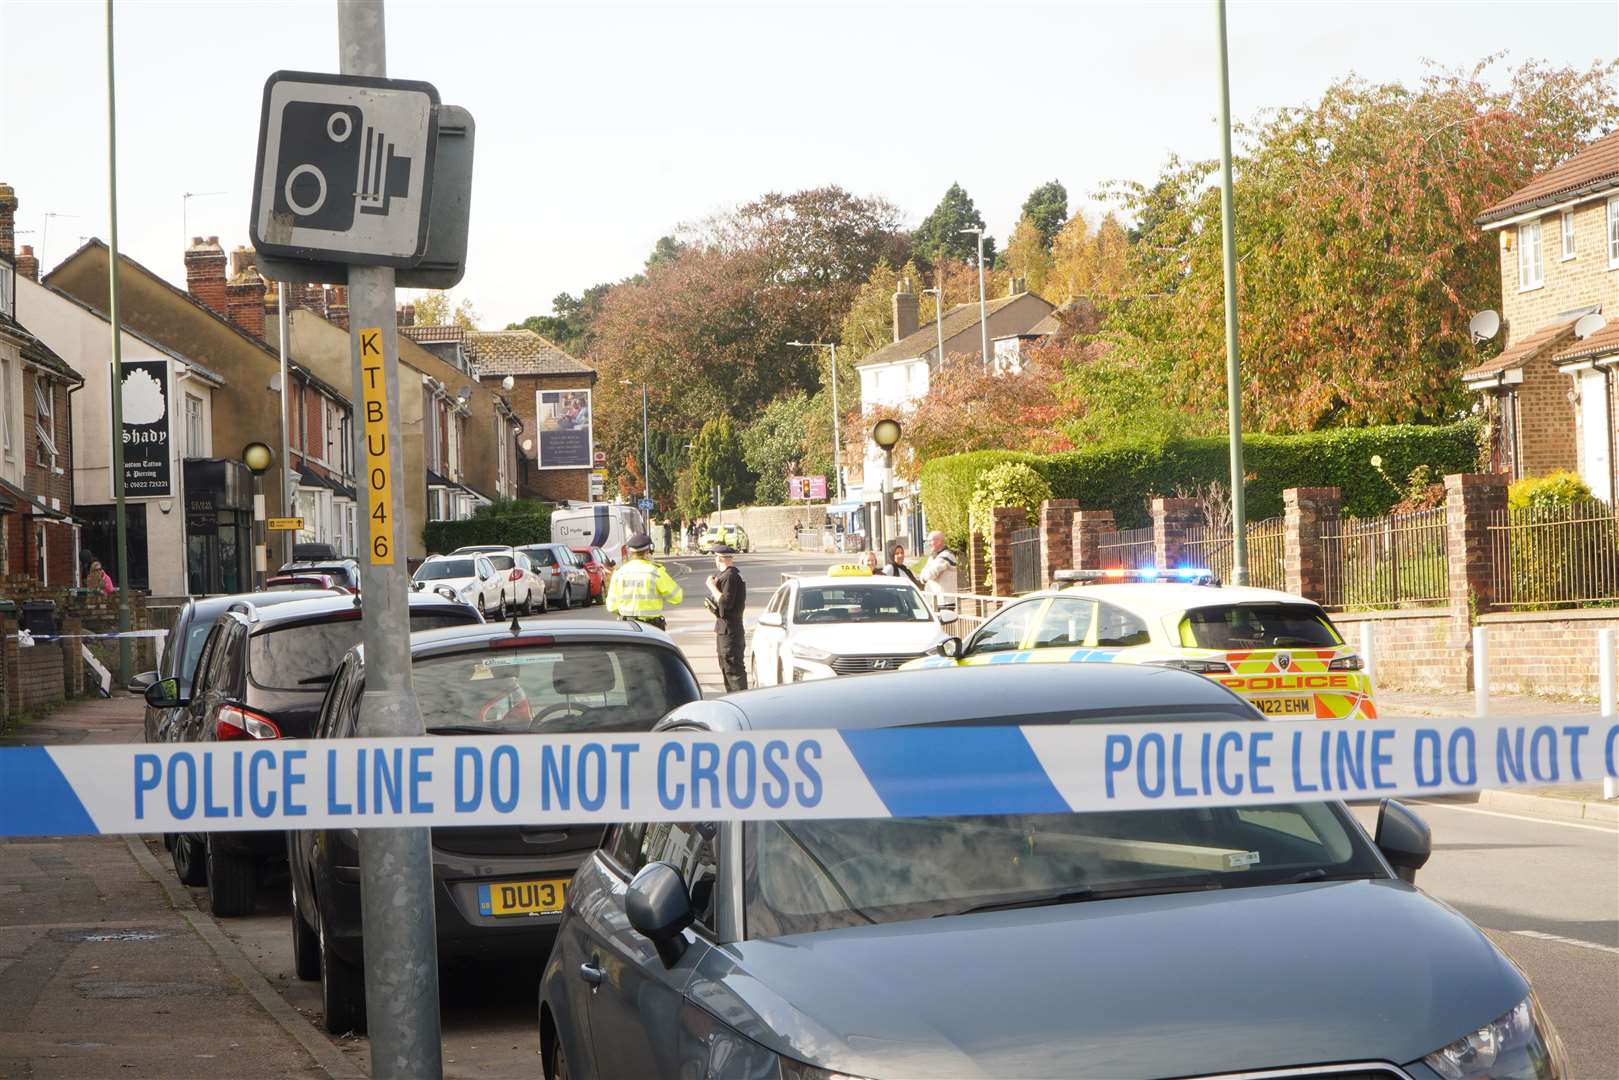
<point x="345" y="168"/>
<point x="598" y="483"/>
<point x="645" y="504"/>
<point x="600" y="457"/>
<point x="293" y="524"/>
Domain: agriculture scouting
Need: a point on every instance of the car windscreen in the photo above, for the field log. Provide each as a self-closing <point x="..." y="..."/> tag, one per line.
<point x="540" y="556"/>
<point x="805" y="876"/>
<point x="303" y="656"/>
<point x="867" y="603"/>
<point x="446" y="568"/>
<point x="1258" y="626"/>
<point x="501" y="562"/>
<point x="551" y="688"/>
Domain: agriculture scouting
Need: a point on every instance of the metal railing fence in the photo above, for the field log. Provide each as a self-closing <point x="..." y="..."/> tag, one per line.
<point x="1555" y="556"/>
<point x="1399" y="560"/>
<point x="1025" y="548"/>
<point x="1210" y="549"/>
<point x="1127" y="548"/>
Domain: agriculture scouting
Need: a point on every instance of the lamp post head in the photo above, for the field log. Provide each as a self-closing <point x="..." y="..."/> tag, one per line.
<point x="886" y="433"/>
<point x="257" y="457"/>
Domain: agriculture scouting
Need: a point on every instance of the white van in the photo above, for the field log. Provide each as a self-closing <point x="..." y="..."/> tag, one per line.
<point x="603" y="525"/>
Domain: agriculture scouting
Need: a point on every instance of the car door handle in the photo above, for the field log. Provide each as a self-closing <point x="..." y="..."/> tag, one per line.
<point x="591" y="974"/>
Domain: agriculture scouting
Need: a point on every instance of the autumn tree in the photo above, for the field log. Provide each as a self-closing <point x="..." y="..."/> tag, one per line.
<point x="436" y="309"/>
<point x="1026" y="255"/>
<point x="1086" y="263"/>
<point x="939" y="237"/>
<point x="1047" y="208"/>
<point x="570" y="326"/>
<point x="1358" y="260"/>
<point x="779" y="444"/>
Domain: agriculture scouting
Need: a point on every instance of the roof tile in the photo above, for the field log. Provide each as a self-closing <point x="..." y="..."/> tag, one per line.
<point x="1520" y="353"/>
<point x="1604" y="342"/>
<point x="1592" y="170"/>
<point x="958" y="319"/>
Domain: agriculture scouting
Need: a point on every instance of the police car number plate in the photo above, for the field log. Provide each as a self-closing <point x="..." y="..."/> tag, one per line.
<point x="522" y="897"/>
<point x="1285" y="706"/>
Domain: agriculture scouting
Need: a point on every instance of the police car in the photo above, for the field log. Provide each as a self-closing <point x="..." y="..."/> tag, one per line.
<point x="1279" y="651"/>
<point x="845" y="622"/>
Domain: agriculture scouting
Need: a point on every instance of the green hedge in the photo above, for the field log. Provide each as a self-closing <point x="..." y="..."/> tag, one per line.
<point x="511" y="523"/>
<point x="1121" y="477"/>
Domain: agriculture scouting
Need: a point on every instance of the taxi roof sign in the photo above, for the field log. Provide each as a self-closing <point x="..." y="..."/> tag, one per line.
<point x="849" y="569"/>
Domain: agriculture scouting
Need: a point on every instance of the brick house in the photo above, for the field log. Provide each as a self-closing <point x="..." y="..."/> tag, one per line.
<point x="320" y="451"/>
<point x="1549" y="395"/>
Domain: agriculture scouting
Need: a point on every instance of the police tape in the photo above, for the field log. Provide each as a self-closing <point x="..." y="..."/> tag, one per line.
<point x="24" y="634"/>
<point x="831" y="773"/>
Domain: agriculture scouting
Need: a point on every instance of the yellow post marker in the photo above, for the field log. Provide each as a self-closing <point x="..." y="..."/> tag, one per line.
<point x="378" y="482"/>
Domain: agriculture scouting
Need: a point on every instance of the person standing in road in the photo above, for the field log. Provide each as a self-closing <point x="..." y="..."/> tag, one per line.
<point x="641" y="589"/>
<point x="939" y="574"/>
<point x="668" y="536"/>
<point x="727" y="598"/>
<point x="896" y="566"/>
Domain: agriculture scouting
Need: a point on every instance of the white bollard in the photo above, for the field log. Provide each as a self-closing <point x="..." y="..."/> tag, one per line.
<point x="1481" y="672"/>
<point x="1605" y="680"/>
<point x="1366" y="653"/>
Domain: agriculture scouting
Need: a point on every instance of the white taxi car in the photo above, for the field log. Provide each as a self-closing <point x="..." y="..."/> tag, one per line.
<point x="843" y="623"/>
<point x="1279" y="651"/>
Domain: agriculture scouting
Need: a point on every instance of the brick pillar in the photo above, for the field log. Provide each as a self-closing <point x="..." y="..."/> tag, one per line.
<point x="1471" y="501"/>
<point x="977" y="563"/>
<point x="9" y="665"/>
<point x="1056" y="536"/>
<point x="1006" y="520"/>
<point x="1085" y="547"/>
<point x="1171" y="518"/>
<point x="72" y="663"/>
<point x="1304" y="558"/>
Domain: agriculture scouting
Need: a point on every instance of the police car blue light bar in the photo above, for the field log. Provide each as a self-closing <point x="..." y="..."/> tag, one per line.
<point x="1186" y="575"/>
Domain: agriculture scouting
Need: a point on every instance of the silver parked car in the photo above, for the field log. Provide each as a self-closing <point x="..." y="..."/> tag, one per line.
<point x="1111" y="945"/>
<point x="566" y="581"/>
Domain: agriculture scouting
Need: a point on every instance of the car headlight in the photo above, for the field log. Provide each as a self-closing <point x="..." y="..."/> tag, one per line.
<point x="1201" y="667"/>
<point x="810" y="652"/>
<point x="1520" y="1045"/>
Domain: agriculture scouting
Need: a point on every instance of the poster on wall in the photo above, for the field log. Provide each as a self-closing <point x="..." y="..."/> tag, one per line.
<point x="564" y="420"/>
<point x="148" y="429"/>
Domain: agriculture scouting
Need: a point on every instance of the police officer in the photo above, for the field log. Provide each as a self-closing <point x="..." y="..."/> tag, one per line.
<point x="640" y="589"/>
<point x="727" y="597"/>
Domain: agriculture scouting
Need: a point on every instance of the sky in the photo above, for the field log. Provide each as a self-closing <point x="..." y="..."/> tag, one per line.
<point x="604" y="125"/>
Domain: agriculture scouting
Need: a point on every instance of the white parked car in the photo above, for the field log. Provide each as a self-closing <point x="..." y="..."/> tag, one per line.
<point x="522" y="589"/>
<point x="844" y="623"/>
<point x="471" y="579"/>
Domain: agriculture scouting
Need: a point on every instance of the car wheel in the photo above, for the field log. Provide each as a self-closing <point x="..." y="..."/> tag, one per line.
<point x="557" y="1068"/>
<point x="232" y="884"/>
<point x="189" y="864"/>
<point x="483" y="609"/>
<point x="342" y="991"/>
<point x="567" y="598"/>
<point x="528" y="603"/>
<point x="305" y="944"/>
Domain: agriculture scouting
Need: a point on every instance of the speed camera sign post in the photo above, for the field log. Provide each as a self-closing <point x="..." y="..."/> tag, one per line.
<point x="345" y="179"/>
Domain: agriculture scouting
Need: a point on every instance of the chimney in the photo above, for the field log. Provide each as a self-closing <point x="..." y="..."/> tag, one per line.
<point x="905" y="310"/>
<point x="1016" y="285"/>
<point x="8" y="221"/>
<point x="205" y="272"/>
<point x="337" y="305"/>
<point x="27" y="265"/>
<point x="407" y="315"/>
<point x="244" y="293"/>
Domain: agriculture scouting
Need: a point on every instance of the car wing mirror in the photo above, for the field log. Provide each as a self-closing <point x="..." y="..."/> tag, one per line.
<point x="658" y="906"/>
<point x="164" y="694"/>
<point x="139" y="683"/>
<point x="950" y="646"/>
<point x="948" y="618"/>
<point x="770" y="618"/>
<point x="1403" y="838"/>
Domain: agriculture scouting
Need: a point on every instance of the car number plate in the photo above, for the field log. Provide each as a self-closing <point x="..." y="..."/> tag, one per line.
<point x="522" y="897"/>
<point x="1285" y="706"/>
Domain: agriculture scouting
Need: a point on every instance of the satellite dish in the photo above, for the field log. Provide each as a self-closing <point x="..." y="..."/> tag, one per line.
<point x="507" y="383"/>
<point x="1484" y="326"/>
<point x="1587" y="325"/>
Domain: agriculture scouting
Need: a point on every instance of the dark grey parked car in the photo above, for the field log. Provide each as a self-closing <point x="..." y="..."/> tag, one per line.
<point x="498" y="890"/>
<point x="1100" y="945"/>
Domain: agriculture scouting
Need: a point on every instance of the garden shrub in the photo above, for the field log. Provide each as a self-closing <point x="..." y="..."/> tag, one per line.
<point x="1122" y="476"/>
<point x="512" y="522"/>
<point x="1565" y="548"/>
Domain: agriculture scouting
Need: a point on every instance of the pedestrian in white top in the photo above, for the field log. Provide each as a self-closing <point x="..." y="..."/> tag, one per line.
<point x="939" y="575"/>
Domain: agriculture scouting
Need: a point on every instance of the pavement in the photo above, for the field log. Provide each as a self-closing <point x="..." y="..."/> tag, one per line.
<point x="110" y="968"/>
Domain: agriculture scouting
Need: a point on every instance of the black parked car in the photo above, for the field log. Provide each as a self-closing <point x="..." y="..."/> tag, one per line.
<point x="184" y="647"/>
<point x="261" y="674"/>
<point x="499" y="891"/>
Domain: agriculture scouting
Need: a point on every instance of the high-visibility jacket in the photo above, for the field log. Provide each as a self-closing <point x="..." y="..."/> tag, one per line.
<point x="640" y="589"/>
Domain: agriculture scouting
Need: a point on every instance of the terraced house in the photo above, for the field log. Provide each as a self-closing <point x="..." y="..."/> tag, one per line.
<point x="1550" y="393"/>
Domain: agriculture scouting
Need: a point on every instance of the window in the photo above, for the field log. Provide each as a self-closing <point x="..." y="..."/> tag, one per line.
<point x="345" y="447"/>
<point x="329" y="424"/>
<point x="1613" y="232"/>
<point x="1258" y="626"/>
<point x="1568" y="234"/>
<point x="41" y="562"/>
<point x="691" y="849"/>
<point x="196" y="442"/>
<point x="8" y="290"/>
<point x="1007" y="630"/>
<point x="5" y="402"/>
<point x="44" y="422"/>
<point x="1067" y="622"/>
<point x="1117" y="628"/>
<point x="1531" y="270"/>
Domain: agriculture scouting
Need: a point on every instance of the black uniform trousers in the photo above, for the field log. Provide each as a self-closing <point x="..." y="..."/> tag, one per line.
<point x="732" y="640"/>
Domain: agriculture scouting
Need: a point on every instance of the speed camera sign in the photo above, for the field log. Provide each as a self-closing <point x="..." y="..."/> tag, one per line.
<point x="345" y="168"/>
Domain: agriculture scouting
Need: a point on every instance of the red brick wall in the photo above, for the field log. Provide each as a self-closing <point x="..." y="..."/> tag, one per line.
<point x="1411" y="651"/>
<point x="554" y="484"/>
<point x="1545" y="420"/>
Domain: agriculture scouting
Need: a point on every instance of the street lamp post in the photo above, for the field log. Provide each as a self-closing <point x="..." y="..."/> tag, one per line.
<point x="938" y="316"/>
<point x="885" y="433"/>
<point x="837" y="442"/>
<point x="646" y="446"/>
<point x="983" y="319"/>
<point x="258" y="458"/>
<point x="1233" y="377"/>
